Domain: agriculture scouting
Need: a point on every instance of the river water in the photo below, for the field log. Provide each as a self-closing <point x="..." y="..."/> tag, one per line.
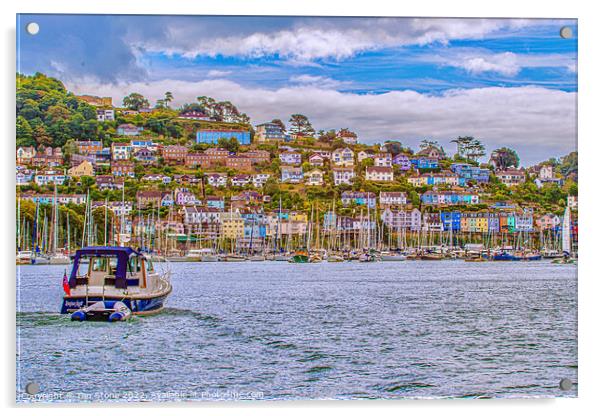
<point x="273" y="330"/>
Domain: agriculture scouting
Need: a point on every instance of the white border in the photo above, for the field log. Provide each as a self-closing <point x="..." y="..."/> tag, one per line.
<point x="590" y="276"/>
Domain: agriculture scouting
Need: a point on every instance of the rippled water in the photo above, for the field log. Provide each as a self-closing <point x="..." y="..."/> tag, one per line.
<point x="275" y="330"/>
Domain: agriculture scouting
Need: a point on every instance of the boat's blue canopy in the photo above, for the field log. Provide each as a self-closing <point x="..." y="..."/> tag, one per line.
<point x="121" y="253"/>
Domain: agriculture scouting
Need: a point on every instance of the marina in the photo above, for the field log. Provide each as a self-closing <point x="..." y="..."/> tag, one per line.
<point x="318" y="330"/>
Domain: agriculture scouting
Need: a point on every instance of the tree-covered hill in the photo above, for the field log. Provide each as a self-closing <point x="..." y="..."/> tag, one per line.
<point x="49" y="115"/>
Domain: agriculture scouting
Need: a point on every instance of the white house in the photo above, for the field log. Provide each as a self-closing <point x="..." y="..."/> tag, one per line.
<point x="343" y="176"/>
<point x="379" y="174"/>
<point x="315" y="177"/>
<point x="290" y="158"/>
<point x="217" y="179"/>
<point x="393" y="198"/>
<point x="383" y="160"/>
<point x="260" y="179"/>
<point x="343" y="157"/>
<point x="240" y="180"/>
<point x="121" y="151"/>
<point x="105" y="115"/>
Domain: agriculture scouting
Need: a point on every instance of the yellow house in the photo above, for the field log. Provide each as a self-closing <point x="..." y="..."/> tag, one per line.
<point x="83" y="169"/>
<point x="233" y="225"/>
<point x="474" y="222"/>
<point x="297" y="216"/>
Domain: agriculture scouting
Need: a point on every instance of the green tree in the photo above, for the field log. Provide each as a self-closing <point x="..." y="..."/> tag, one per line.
<point x="135" y="101"/>
<point x="24" y="132"/>
<point x="300" y="125"/>
<point x="168" y="98"/>
<point x="504" y="158"/>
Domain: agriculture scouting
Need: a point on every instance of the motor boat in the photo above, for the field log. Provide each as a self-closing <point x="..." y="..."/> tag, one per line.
<point x="113" y="275"/>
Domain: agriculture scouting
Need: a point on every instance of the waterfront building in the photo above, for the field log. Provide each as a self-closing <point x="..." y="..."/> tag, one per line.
<point x="524" y="221"/>
<point x="233" y="225"/>
<point x="431" y="221"/>
<point x="157" y="177"/>
<point x="493" y="222"/>
<point x="475" y="222"/>
<point x="398" y="219"/>
<point x="548" y="222"/>
<point x="451" y="220"/>
<point x="212" y="136"/>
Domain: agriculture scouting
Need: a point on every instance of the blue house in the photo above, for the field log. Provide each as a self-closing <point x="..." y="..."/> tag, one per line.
<point x="211" y="136"/>
<point x="451" y="220"/>
<point x="494" y="223"/>
<point x="470" y="172"/>
<point x="360" y="198"/>
<point x="424" y="162"/>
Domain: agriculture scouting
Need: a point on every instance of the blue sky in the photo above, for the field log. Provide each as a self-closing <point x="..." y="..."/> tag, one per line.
<point x="508" y="82"/>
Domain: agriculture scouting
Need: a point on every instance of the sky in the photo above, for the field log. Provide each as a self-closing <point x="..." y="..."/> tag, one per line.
<point x="507" y="82"/>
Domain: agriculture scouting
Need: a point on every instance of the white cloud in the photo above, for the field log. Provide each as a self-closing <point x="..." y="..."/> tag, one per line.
<point x="477" y="61"/>
<point x="306" y="39"/>
<point x="317" y="81"/>
<point x="216" y="73"/>
<point x="538" y="122"/>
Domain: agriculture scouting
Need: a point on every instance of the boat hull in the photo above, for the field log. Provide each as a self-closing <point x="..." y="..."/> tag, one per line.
<point x="300" y="258"/>
<point x="138" y="305"/>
